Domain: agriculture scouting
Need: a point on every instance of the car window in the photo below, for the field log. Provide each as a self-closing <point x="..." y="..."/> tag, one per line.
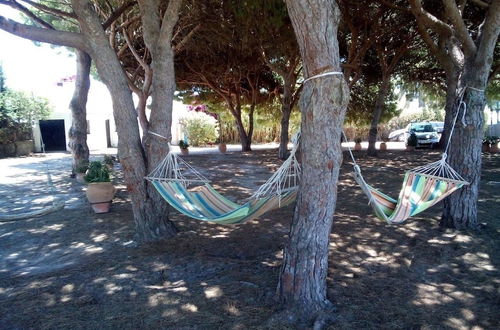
<point x="421" y="128"/>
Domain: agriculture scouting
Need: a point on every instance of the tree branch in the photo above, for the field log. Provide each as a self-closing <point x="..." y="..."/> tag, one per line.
<point x="50" y="10"/>
<point x="28" y="13"/>
<point x="428" y="19"/>
<point x="480" y="3"/>
<point x="489" y="32"/>
<point x="60" y="38"/>
<point x="462" y="32"/>
<point x="117" y="13"/>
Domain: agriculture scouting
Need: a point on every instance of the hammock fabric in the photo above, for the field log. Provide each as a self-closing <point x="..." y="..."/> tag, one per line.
<point x="206" y="204"/>
<point x="419" y="192"/>
<point x="173" y="175"/>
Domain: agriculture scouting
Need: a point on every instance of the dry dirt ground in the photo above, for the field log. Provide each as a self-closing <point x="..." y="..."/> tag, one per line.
<point x="74" y="269"/>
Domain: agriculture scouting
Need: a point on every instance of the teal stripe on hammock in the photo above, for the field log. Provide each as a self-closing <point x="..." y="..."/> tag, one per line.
<point x="213" y="212"/>
<point x="183" y="202"/>
<point x="236" y="213"/>
<point x="198" y="203"/>
<point x="173" y="202"/>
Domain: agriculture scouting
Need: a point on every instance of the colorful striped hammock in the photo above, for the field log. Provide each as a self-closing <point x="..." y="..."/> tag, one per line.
<point x="206" y="204"/>
<point x="173" y="175"/>
<point x="419" y="192"/>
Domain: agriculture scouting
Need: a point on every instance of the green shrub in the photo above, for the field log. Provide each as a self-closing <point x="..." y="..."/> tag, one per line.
<point x="199" y="128"/>
<point x="97" y="172"/>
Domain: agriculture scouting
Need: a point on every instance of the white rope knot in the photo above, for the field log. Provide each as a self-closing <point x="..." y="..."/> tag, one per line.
<point x="324" y="74"/>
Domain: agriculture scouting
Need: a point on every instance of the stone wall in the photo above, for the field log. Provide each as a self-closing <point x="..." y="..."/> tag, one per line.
<point x="15" y="149"/>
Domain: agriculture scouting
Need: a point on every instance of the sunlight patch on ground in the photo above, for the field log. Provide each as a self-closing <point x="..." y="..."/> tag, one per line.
<point x="99" y="238"/>
<point x="478" y="261"/>
<point x="232" y="309"/>
<point x="47" y="228"/>
<point x="112" y="288"/>
<point x="161" y="298"/>
<point x="213" y="292"/>
<point x="68" y="288"/>
<point x="189" y="308"/>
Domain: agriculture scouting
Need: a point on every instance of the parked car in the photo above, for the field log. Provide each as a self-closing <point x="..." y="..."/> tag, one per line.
<point x="438" y="127"/>
<point x="398" y="135"/>
<point x="425" y="132"/>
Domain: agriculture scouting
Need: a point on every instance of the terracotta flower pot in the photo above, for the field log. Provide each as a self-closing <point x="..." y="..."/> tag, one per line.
<point x="222" y="148"/>
<point x="383" y="146"/>
<point x="100" y="195"/>
<point x="184" y="151"/>
<point x="485" y="148"/>
<point x="357" y="146"/>
<point x="494" y="148"/>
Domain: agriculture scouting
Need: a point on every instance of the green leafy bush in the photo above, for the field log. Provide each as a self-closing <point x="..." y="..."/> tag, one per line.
<point x="97" y="172"/>
<point x="199" y="128"/>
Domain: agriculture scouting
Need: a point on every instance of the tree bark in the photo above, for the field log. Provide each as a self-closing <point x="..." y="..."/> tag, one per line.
<point x="246" y="144"/>
<point x="78" y="106"/>
<point x="149" y="220"/>
<point x="302" y="284"/>
<point x="158" y="39"/>
<point x="464" y="152"/>
<point x="377" y="113"/>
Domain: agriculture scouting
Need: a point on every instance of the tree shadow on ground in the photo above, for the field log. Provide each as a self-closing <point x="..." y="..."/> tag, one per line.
<point x="80" y="270"/>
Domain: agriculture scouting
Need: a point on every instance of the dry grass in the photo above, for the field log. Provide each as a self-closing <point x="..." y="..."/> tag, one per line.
<point x="74" y="269"/>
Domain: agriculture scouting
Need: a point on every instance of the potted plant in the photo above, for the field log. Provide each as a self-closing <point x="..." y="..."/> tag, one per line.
<point x="357" y="143"/>
<point x="412" y="142"/>
<point x="184" y="147"/>
<point x="100" y="190"/>
<point x="383" y="145"/>
<point x="80" y="172"/>
<point x="222" y="146"/>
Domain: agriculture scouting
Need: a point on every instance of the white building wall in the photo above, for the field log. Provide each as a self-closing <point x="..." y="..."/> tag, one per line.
<point x="99" y="110"/>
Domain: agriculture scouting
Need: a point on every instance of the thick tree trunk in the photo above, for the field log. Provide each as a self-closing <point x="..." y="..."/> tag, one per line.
<point x="78" y="106"/>
<point x="302" y="284"/>
<point x="148" y="219"/>
<point x="286" y="110"/>
<point x="377" y="113"/>
<point x="161" y="122"/>
<point x="464" y="152"/>
<point x="246" y="143"/>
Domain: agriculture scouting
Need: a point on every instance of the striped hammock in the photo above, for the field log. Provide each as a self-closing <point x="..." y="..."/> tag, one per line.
<point x="422" y="188"/>
<point x="206" y="204"/>
<point x="173" y="175"/>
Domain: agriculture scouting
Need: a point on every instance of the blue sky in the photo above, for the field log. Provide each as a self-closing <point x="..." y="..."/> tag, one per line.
<point x="29" y="67"/>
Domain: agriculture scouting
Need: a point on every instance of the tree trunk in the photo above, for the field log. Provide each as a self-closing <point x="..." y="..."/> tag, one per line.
<point x="244" y="140"/>
<point x="78" y="106"/>
<point x="148" y="219"/>
<point x="302" y="284"/>
<point x="377" y="113"/>
<point x="464" y="152"/>
<point x="286" y="110"/>
<point x="160" y="122"/>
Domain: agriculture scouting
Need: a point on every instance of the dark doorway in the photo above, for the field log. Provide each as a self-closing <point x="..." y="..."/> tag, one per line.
<point x="53" y="134"/>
